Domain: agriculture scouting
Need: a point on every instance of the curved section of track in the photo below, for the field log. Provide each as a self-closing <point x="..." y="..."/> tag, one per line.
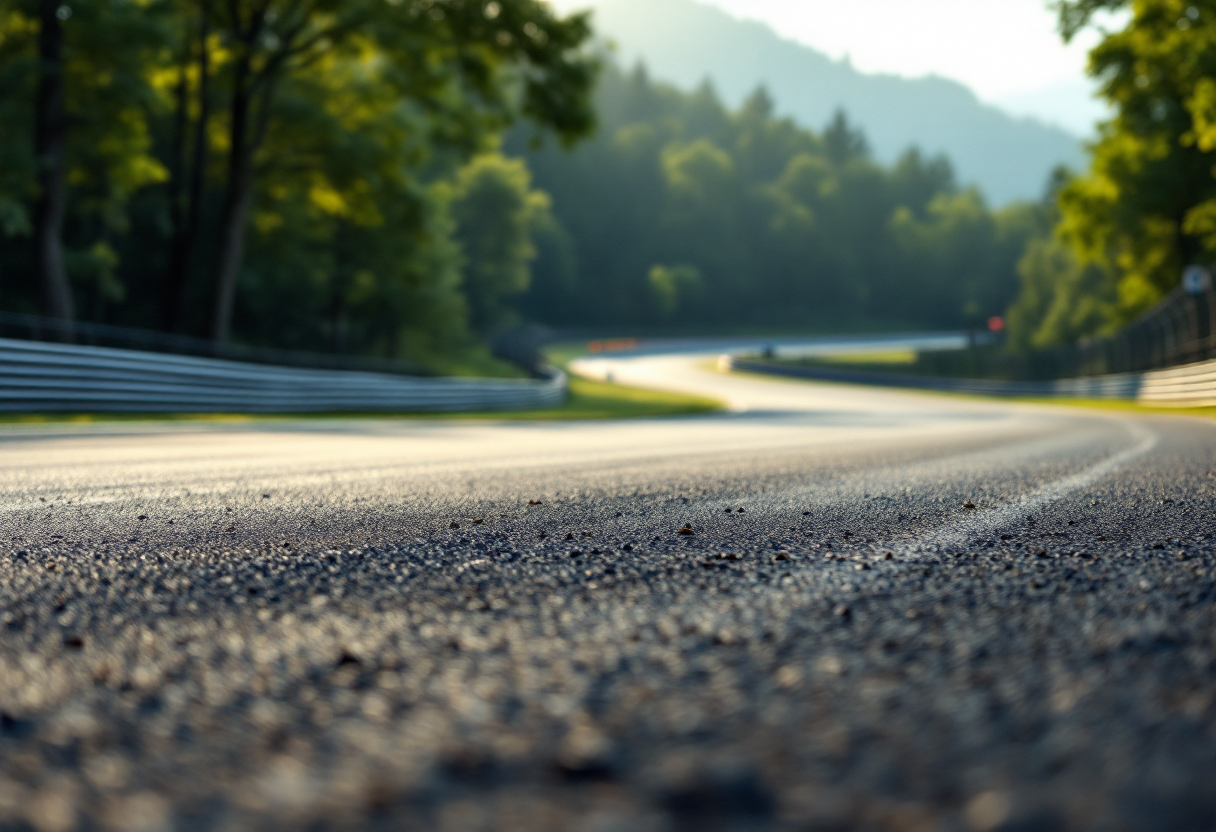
<point x="829" y="608"/>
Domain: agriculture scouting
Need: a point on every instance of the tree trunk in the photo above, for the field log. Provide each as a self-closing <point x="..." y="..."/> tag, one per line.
<point x="232" y="250"/>
<point x="187" y="208"/>
<point x="249" y="97"/>
<point x="237" y="201"/>
<point x="177" y="175"/>
<point x="49" y="152"/>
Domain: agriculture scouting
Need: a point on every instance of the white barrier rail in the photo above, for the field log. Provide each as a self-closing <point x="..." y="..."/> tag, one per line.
<point x="40" y="377"/>
<point x="1193" y="385"/>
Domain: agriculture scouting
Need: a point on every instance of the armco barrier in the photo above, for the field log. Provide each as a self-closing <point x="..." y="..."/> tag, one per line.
<point x="1178" y="331"/>
<point x="39" y="377"/>
<point x="1193" y="385"/>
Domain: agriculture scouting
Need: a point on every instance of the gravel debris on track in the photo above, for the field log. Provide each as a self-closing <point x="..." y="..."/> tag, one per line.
<point x="778" y="637"/>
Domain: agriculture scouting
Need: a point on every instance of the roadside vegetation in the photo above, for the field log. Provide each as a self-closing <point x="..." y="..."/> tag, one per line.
<point x="405" y="180"/>
<point x="411" y="179"/>
<point x="1130" y="407"/>
<point x="681" y="215"/>
<point x="307" y="175"/>
<point x="904" y="362"/>
<point x="1123" y="231"/>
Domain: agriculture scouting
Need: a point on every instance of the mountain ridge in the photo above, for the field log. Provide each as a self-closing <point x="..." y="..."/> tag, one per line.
<point x="685" y="42"/>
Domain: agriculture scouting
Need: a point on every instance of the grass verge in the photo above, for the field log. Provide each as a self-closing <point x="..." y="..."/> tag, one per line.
<point x="599" y="400"/>
<point x="587" y="400"/>
<point x="857" y="360"/>
<point x="1111" y="404"/>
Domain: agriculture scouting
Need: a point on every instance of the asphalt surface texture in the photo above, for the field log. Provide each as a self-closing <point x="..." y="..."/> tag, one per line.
<point x="832" y="608"/>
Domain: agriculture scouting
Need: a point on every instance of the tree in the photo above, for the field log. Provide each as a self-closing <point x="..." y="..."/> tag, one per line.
<point x="74" y="134"/>
<point x="18" y="79"/>
<point x="674" y="287"/>
<point x="1147" y="207"/>
<point x="496" y="212"/>
<point x="1061" y="299"/>
<point x="780" y="226"/>
<point x="484" y="62"/>
<point x="351" y="247"/>
<point x="188" y="153"/>
<point x="843" y="143"/>
<point x="702" y="224"/>
<point x="382" y="218"/>
<point x="287" y="153"/>
<point x="50" y="162"/>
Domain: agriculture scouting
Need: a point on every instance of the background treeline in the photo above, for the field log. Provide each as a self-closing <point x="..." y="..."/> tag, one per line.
<point x="343" y="175"/>
<point x="335" y="176"/>
<point x="296" y="173"/>
<point x="680" y="215"/>
<point x="1125" y="229"/>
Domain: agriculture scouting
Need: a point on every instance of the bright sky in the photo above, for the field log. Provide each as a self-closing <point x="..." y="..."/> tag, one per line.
<point x="1007" y="51"/>
<point x="997" y="47"/>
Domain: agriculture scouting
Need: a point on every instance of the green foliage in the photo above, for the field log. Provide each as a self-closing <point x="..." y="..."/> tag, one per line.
<point x="333" y="175"/>
<point x="597" y="400"/>
<point x="309" y="151"/>
<point x="1124" y="231"/>
<point x="842" y="144"/>
<point x="353" y="250"/>
<point x="674" y="287"/>
<point x="961" y="248"/>
<point x="496" y="212"/>
<point x="1007" y="156"/>
<point x="111" y="101"/>
<point x="1062" y="299"/>
<point x="684" y="214"/>
<point x="18" y="30"/>
<point x="1146" y="207"/>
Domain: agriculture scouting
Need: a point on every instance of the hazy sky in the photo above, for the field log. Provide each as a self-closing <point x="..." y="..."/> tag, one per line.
<point x="1006" y="50"/>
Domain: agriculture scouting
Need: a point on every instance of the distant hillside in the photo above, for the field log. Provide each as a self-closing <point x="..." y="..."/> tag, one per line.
<point x="685" y="42"/>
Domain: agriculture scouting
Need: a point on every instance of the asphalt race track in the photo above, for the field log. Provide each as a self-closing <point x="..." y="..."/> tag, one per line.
<point x="833" y="608"/>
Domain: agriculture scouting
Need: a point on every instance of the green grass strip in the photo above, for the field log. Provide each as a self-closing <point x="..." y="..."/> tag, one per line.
<point x="1117" y="404"/>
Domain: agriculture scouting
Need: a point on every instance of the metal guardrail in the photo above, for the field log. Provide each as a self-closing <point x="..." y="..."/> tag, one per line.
<point x="1193" y="385"/>
<point x="40" y="377"/>
<point x="1180" y="330"/>
<point x="84" y="333"/>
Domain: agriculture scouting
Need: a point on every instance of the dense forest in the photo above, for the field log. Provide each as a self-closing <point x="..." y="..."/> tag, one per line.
<point x="681" y="215"/>
<point x="1008" y="157"/>
<point x="291" y="173"/>
<point x="408" y="178"/>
